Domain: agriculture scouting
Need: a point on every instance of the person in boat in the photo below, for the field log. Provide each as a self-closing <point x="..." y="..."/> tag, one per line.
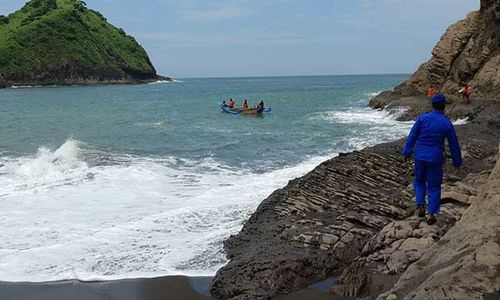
<point x="231" y="103"/>
<point x="245" y="104"/>
<point x="427" y="137"/>
<point x="224" y="104"/>
<point x="260" y="107"/>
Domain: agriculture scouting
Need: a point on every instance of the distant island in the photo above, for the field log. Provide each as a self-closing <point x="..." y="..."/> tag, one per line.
<point x="62" y="42"/>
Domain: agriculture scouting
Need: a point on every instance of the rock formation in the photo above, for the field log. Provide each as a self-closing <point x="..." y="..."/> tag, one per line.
<point x="465" y="263"/>
<point x="64" y="42"/>
<point x="468" y="52"/>
<point x="353" y="217"/>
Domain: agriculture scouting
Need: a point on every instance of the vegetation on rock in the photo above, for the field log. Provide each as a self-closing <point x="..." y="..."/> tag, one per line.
<point x="64" y="42"/>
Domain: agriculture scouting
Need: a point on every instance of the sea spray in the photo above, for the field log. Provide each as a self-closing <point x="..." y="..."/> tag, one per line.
<point x="131" y="196"/>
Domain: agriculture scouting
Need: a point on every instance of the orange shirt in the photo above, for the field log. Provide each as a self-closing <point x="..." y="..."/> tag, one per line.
<point x="231" y="104"/>
<point x="431" y="91"/>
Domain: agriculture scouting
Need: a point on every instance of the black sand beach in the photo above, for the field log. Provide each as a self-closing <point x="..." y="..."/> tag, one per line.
<point x="170" y="287"/>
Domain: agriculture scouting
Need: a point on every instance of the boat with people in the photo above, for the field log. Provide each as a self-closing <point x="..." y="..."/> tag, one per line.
<point x="244" y="109"/>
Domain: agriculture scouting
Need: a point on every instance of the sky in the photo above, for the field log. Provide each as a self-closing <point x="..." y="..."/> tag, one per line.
<point x="215" y="38"/>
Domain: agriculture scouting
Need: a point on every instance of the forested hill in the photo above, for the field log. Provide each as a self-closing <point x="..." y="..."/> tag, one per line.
<point x="64" y="42"/>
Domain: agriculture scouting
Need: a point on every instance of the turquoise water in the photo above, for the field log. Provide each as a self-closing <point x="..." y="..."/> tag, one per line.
<point x="182" y="119"/>
<point x="147" y="180"/>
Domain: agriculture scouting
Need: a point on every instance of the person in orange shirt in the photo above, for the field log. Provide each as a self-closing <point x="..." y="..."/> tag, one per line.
<point x="231" y="103"/>
<point x="466" y="93"/>
<point x="431" y="91"/>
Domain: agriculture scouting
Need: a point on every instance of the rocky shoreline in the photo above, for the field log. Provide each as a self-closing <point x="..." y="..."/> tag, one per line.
<point x="352" y="217"/>
<point x="69" y="82"/>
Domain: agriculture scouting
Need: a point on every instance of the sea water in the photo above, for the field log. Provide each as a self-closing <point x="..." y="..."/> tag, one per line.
<point x="107" y="182"/>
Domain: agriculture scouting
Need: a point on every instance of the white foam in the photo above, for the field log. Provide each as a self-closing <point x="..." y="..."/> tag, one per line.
<point x="373" y="94"/>
<point x="161" y="82"/>
<point x="63" y="218"/>
<point x="67" y="214"/>
<point x="150" y="124"/>
<point x="367" y="127"/>
<point x="21" y="86"/>
<point x="364" y="116"/>
<point x="32" y="86"/>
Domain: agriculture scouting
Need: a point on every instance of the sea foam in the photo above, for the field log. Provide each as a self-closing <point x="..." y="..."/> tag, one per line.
<point x="66" y="216"/>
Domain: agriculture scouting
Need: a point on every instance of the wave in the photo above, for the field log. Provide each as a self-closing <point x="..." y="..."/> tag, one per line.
<point x="22" y="86"/>
<point x="365" y="127"/>
<point x="373" y="94"/>
<point x="364" y="116"/>
<point x="77" y="213"/>
<point x="161" y="82"/>
<point x="32" y="86"/>
<point x="150" y="124"/>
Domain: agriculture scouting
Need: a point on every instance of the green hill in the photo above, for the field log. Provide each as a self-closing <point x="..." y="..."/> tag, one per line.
<point x="64" y="42"/>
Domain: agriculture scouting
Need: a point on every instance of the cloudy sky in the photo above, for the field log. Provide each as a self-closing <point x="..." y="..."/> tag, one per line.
<point x="212" y="38"/>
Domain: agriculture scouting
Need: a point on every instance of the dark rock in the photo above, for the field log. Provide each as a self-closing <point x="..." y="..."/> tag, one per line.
<point x="354" y="214"/>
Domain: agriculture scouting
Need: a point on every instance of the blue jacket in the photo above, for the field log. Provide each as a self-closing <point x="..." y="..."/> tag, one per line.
<point x="427" y="136"/>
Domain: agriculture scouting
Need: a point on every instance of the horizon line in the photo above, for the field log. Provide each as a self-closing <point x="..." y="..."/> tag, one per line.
<point x="294" y="75"/>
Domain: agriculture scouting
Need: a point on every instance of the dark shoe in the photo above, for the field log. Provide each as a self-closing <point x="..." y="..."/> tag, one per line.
<point x="421" y="211"/>
<point x="431" y="220"/>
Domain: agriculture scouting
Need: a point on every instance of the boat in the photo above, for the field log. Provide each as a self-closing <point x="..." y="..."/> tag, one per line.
<point x="248" y="111"/>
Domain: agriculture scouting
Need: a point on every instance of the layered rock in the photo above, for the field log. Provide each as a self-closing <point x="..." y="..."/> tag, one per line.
<point x="468" y="53"/>
<point x="351" y="215"/>
<point x="464" y="264"/>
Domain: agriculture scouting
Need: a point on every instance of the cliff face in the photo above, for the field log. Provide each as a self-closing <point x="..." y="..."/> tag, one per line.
<point x="468" y="52"/>
<point x="63" y="42"/>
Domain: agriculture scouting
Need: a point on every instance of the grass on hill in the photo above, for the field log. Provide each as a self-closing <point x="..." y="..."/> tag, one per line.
<point x="53" y="40"/>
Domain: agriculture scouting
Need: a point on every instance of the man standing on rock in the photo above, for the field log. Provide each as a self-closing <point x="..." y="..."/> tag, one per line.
<point x="427" y="137"/>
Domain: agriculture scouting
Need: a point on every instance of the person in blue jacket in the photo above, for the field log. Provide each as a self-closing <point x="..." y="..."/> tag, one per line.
<point x="427" y="137"/>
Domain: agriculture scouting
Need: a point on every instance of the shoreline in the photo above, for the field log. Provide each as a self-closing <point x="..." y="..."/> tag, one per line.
<point x="179" y="287"/>
<point x="329" y="221"/>
<point x="198" y="287"/>
<point x="158" y="288"/>
<point x="6" y="85"/>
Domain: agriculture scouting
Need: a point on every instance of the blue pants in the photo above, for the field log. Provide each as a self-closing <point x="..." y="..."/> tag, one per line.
<point x="428" y="178"/>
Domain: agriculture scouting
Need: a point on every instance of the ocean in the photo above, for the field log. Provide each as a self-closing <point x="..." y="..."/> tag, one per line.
<point x="126" y="181"/>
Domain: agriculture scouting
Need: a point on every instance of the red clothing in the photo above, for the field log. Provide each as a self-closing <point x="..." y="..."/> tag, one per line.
<point x="431" y="92"/>
<point x="467" y="91"/>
